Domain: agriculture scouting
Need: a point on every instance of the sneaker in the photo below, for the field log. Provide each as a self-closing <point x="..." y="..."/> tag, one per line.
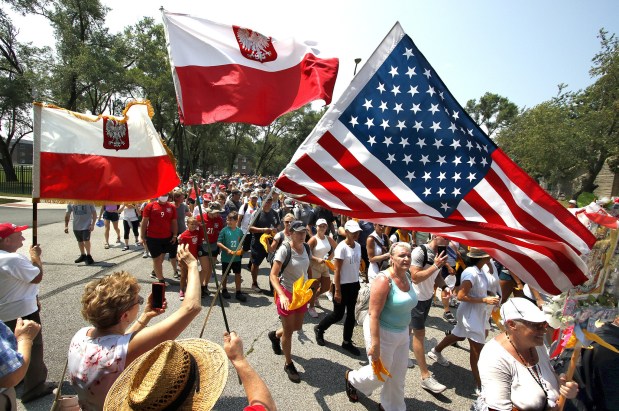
<point x="181" y="295"/>
<point x="205" y="292"/>
<point x="312" y="312"/>
<point x="350" y="347"/>
<point x="275" y="343"/>
<point x="125" y="248"/>
<point x="411" y="363"/>
<point x="177" y="276"/>
<point x="80" y="259"/>
<point x="329" y="295"/>
<point x="89" y="259"/>
<point x="455" y="344"/>
<point x="255" y="288"/>
<point x="293" y="374"/>
<point x="225" y="294"/>
<point x="240" y="296"/>
<point x="432" y="385"/>
<point x="320" y="336"/>
<point x="106" y="246"/>
<point x="145" y="255"/>
<point x="449" y="317"/>
<point x="438" y="357"/>
<point x="153" y="275"/>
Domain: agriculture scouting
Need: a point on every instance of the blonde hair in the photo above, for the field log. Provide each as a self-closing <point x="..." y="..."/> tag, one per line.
<point x="289" y="215"/>
<point x="106" y="299"/>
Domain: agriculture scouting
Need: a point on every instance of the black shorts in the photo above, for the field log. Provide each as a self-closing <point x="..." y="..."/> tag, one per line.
<point x="235" y="267"/>
<point x="247" y="242"/>
<point x="82" y="235"/>
<point x="110" y="216"/>
<point x="419" y="314"/>
<point x="258" y="253"/>
<point x="203" y="250"/>
<point x="173" y="250"/>
<point x="158" y="246"/>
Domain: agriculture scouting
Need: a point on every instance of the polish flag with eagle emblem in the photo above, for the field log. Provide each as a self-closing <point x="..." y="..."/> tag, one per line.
<point x="226" y="73"/>
<point x="81" y="158"/>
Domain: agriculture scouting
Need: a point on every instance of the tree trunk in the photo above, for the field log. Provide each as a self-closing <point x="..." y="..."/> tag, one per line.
<point x="7" y="162"/>
<point x="588" y="182"/>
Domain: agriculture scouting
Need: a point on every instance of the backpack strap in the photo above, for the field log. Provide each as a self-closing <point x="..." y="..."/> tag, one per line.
<point x="425" y="254"/>
<point x="287" y="259"/>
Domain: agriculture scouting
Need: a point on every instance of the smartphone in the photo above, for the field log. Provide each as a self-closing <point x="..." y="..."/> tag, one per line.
<point x="158" y="291"/>
<point x="441" y="249"/>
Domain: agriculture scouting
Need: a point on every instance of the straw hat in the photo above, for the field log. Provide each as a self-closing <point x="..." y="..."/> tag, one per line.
<point x="185" y="375"/>
<point x="477" y="253"/>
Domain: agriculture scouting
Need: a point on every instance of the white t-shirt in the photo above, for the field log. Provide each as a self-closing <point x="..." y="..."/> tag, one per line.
<point x="246" y="211"/>
<point x="506" y="383"/>
<point x="18" y="296"/>
<point x="351" y="259"/>
<point x="424" y="289"/>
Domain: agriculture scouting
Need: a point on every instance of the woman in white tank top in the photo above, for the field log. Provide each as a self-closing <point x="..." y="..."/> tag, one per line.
<point x="322" y="247"/>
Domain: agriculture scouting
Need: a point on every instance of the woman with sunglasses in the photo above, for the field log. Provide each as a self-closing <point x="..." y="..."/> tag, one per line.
<point x="514" y="367"/>
<point x="98" y="354"/>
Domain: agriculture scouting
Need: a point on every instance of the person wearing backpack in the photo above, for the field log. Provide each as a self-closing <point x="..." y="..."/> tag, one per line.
<point x="346" y="285"/>
<point x="322" y="247"/>
<point x="291" y="262"/>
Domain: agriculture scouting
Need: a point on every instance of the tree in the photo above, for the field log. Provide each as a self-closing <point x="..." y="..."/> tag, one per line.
<point x="573" y="135"/>
<point x="21" y="73"/>
<point x="493" y="112"/>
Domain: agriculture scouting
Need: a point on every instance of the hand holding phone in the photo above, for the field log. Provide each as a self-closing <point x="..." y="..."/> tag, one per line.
<point x="158" y="292"/>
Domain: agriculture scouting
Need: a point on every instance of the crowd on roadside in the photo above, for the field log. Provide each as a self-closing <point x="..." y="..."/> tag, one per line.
<point x="382" y="278"/>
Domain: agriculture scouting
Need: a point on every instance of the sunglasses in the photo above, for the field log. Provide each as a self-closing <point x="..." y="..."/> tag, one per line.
<point x="534" y="326"/>
<point x="140" y="301"/>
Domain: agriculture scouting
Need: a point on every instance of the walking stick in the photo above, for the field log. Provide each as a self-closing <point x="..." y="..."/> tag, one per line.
<point x="35" y="203"/>
<point x="570" y="372"/>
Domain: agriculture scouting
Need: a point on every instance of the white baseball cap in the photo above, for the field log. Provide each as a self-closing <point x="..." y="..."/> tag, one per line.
<point x="518" y="308"/>
<point x="352" y="226"/>
<point x="321" y="221"/>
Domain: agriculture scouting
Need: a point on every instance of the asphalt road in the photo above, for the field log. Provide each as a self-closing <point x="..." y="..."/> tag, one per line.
<point x="321" y="368"/>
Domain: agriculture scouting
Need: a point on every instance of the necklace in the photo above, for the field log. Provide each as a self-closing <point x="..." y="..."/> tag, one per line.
<point x="536" y="374"/>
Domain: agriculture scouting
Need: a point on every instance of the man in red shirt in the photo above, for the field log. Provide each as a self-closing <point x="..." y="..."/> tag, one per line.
<point x="159" y="228"/>
<point x="213" y="223"/>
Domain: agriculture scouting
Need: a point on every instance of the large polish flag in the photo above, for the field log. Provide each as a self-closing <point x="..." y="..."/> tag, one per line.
<point x="99" y="159"/>
<point x="226" y="73"/>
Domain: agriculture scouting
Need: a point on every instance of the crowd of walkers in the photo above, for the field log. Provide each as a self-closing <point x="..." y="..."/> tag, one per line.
<point x="241" y="222"/>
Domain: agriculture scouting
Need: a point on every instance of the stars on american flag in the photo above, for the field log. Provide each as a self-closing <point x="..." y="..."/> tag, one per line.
<point x="438" y="153"/>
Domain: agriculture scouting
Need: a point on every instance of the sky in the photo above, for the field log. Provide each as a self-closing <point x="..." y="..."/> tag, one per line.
<point x="519" y="49"/>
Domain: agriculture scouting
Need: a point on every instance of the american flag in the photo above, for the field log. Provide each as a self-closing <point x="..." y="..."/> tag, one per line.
<point x="398" y="149"/>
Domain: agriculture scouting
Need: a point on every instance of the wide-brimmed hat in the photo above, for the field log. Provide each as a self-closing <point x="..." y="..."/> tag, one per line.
<point x="213" y="207"/>
<point x="254" y="194"/>
<point x="477" y="253"/>
<point x="518" y="308"/>
<point x="184" y="375"/>
<point x="7" y="229"/>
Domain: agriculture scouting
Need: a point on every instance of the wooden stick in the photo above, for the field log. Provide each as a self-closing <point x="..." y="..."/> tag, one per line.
<point x="570" y="372"/>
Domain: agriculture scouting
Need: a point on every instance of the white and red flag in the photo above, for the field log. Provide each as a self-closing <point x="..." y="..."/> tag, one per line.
<point x="100" y="159"/>
<point x="226" y="73"/>
<point x="398" y="149"/>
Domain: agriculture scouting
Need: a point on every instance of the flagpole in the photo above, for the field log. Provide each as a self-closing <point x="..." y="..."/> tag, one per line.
<point x="35" y="202"/>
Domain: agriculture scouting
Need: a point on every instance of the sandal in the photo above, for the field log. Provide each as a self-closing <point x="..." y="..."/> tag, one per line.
<point x="351" y="392"/>
<point x="106" y="246"/>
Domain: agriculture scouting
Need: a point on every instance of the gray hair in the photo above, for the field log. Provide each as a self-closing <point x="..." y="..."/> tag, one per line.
<point x="401" y="244"/>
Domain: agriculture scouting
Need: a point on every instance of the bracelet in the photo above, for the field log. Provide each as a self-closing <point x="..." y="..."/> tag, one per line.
<point x="437" y="267"/>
